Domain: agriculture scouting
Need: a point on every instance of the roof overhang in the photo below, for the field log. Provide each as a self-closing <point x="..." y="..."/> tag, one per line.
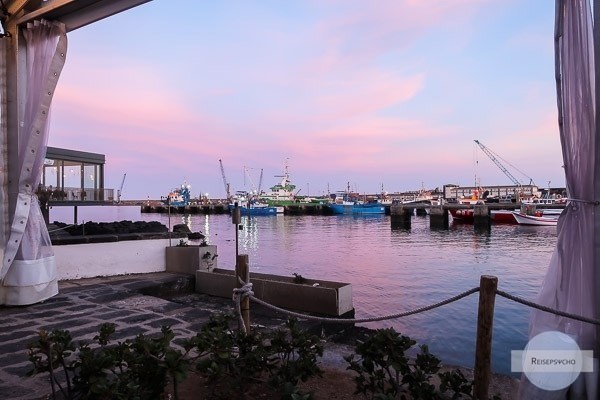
<point x="73" y="13"/>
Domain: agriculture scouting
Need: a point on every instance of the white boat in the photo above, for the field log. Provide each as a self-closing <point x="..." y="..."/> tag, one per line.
<point x="538" y="220"/>
<point x="282" y="193"/>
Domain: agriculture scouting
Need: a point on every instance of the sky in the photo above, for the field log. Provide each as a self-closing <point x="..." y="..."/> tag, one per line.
<point x="376" y="95"/>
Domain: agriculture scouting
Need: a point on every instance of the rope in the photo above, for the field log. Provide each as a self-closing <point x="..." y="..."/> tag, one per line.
<point x="594" y="202"/>
<point x="60" y="229"/>
<point x="360" y="320"/>
<point x="547" y="309"/>
<point x="238" y="295"/>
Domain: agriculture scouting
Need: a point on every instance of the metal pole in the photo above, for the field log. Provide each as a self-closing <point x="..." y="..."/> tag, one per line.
<point x="169" y="217"/>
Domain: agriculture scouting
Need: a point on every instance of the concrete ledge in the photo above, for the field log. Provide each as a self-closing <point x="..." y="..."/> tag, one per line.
<point x="89" y="260"/>
<point x="327" y="297"/>
<point x="189" y="259"/>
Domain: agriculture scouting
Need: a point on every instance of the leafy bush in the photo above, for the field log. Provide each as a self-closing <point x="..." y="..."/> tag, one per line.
<point x="229" y="359"/>
<point x="384" y="371"/>
<point x="138" y="368"/>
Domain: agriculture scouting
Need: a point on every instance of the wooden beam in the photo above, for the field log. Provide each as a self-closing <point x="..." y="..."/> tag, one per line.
<point x="77" y="13"/>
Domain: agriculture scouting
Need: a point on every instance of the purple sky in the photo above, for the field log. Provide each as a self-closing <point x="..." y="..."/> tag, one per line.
<point x="384" y="93"/>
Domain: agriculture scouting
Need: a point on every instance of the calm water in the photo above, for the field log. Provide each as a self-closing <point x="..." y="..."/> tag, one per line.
<point x="390" y="270"/>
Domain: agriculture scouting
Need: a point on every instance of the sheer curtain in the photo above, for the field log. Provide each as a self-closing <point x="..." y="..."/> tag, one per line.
<point x="28" y="273"/>
<point x="569" y="282"/>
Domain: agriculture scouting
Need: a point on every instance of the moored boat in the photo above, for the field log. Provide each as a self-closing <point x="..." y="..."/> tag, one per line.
<point x="281" y="193"/>
<point x="351" y="207"/>
<point x="178" y="197"/>
<point x="254" y="209"/>
<point x="349" y="203"/>
<point x="537" y="219"/>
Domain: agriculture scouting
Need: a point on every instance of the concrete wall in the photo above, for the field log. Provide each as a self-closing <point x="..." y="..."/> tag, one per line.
<point x="78" y="261"/>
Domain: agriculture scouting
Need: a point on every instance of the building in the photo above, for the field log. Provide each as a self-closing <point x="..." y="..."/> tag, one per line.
<point x="73" y="177"/>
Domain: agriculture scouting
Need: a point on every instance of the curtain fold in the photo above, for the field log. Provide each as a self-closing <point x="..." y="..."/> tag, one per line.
<point x="28" y="273"/>
<point x="569" y="282"/>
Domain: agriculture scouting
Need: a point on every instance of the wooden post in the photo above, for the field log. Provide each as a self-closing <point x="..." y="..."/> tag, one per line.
<point x="483" y="348"/>
<point x="242" y="272"/>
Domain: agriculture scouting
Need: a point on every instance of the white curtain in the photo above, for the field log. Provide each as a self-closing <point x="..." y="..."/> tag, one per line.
<point x="569" y="282"/>
<point x="28" y="273"/>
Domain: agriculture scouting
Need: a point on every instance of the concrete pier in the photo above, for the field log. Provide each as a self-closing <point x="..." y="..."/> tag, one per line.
<point x="400" y="216"/>
<point x="438" y="217"/>
<point x="481" y="217"/>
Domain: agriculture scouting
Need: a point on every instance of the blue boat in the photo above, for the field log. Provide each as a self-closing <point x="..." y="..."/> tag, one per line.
<point x="178" y="197"/>
<point x="357" y="208"/>
<point x="252" y="207"/>
<point x="348" y="203"/>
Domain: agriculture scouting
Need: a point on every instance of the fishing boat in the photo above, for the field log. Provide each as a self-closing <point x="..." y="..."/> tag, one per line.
<point x="467" y="216"/>
<point x="537" y="219"/>
<point x="178" y="197"/>
<point x="352" y="207"/>
<point x="250" y="205"/>
<point x="348" y="203"/>
<point x="281" y="193"/>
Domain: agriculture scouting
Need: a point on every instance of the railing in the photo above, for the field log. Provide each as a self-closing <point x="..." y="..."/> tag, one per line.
<point x="72" y="194"/>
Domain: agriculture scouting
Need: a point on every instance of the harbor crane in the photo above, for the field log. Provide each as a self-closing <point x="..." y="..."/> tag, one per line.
<point x="260" y="181"/>
<point x="120" y="191"/>
<point x="227" y="190"/>
<point x="494" y="158"/>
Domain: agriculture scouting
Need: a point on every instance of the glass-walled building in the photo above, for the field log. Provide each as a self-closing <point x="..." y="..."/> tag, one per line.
<point x="74" y="176"/>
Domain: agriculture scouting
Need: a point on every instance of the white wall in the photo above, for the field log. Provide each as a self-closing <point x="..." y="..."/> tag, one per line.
<point x="76" y="261"/>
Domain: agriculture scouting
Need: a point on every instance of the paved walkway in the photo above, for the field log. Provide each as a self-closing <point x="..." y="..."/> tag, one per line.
<point x="132" y="303"/>
<point x="83" y="305"/>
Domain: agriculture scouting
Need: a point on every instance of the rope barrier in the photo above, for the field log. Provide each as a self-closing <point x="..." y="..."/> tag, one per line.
<point x="547" y="309"/>
<point x="360" y="320"/>
<point x="246" y="291"/>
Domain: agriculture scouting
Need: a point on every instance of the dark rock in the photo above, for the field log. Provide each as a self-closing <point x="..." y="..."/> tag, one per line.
<point x="182" y="228"/>
<point x="195" y="235"/>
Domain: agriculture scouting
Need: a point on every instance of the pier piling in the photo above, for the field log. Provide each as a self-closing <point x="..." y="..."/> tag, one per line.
<point x="400" y="216"/>
<point x="438" y="217"/>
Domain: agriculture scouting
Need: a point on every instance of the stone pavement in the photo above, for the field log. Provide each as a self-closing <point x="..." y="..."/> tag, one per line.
<point x="139" y="304"/>
<point x="82" y="305"/>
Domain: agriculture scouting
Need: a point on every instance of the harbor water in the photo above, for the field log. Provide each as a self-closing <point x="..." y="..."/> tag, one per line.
<point x="391" y="270"/>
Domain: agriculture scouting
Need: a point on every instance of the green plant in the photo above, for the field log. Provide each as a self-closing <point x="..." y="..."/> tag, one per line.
<point x="232" y="360"/>
<point x="138" y="368"/>
<point x="182" y="243"/>
<point x="385" y="371"/>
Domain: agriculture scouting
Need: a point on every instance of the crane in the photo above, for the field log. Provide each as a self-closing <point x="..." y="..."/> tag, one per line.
<point x="510" y="176"/>
<point x="260" y="180"/>
<point x="121" y="189"/>
<point x="227" y="191"/>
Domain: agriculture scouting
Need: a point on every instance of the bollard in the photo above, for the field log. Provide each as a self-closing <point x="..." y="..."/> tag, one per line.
<point x="483" y="348"/>
<point x="242" y="272"/>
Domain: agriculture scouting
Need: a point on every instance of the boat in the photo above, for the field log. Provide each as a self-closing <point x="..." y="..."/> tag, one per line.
<point x="178" y="197"/>
<point x="281" y="193"/>
<point x="250" y="205"/>
<point x="466" y="216"/>
<point x="348" y="203"/>
<point x="537" y="219"/>
<point x="352" y="207"/>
